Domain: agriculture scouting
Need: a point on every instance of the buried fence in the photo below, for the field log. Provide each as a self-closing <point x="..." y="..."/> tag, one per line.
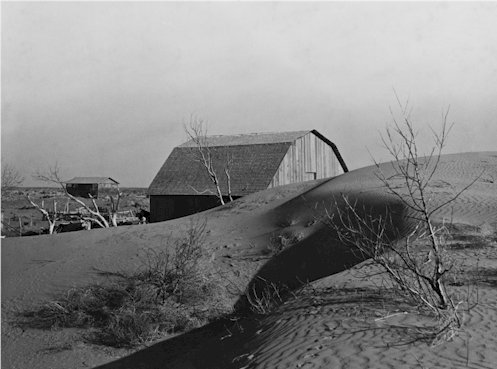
<point x="29" y="225"/>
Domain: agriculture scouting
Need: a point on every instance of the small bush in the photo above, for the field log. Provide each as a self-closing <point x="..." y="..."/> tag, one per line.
<point x="78" y="308"/>
<point x="263" y="296"/>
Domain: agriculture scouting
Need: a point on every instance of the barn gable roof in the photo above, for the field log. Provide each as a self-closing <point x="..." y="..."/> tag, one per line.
<point x="255" y="158"/>
<point x="249" y="139"/>
<point x="251" y="170"/>
<point x="91" y="180"/>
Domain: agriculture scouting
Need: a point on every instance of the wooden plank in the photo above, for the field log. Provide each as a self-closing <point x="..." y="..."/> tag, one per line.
<point x="320" y="169"/>
<point x="312" y="142"/>
<point x="301" y="159"/>
<point x="293" y="164"/>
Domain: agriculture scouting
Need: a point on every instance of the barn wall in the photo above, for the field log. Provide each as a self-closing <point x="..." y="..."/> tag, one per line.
<point x="308" y="158"/>
<point x="168" y="207"/>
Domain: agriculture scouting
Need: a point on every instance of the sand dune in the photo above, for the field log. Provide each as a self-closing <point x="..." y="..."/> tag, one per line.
<point x="334" y="322"/>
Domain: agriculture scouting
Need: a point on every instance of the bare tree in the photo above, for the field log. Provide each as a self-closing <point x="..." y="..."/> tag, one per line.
<point x="53" y="176"/>
<point x="114" y="207"/>
<point x="415" y="172"/>
<point x="10" y="177"/>
<point x="202" y="153"/>
<point x="418" y="272"/>
<point x="227" y="170"/>
<point x="51" y="217"/>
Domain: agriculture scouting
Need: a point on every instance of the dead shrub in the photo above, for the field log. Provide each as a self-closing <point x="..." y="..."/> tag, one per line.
<point x="167" y="294"/>
<point x="263" y="296"/>
<point x="418" y="265"/>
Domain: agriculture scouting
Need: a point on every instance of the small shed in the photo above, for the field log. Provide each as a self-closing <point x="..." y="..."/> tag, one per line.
<point x="90" y="186"/>
<point x="258" y="161"/>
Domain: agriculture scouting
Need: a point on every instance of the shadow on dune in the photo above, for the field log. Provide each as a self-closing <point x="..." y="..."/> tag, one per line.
<point x="208" y="347"/>
<point x="322" y="253"/>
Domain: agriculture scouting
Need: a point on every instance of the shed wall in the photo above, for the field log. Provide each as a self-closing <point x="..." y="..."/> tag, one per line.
<point x="83" y="190"/>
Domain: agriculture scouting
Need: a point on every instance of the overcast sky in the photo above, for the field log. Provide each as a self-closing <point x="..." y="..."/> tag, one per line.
<point x="104" y="88"/>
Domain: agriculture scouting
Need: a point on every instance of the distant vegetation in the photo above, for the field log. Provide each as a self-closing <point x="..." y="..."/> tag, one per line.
<point x="11" y="177"/>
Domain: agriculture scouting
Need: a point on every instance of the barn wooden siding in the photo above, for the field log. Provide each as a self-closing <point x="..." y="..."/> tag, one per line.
<point x="308" y="158"/>
<point x="176" y="206"/>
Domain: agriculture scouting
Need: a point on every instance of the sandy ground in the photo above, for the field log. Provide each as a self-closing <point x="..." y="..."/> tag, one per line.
<point x="336" y="321"/>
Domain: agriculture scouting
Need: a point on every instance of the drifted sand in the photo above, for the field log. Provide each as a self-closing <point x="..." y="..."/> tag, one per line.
<point x="337" y="321"/>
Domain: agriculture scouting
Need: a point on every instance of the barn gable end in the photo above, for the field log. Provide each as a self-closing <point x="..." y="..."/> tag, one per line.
<point x="309" y="157"/>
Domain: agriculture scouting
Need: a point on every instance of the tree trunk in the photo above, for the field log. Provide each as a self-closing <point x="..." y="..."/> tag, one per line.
<point x="113" y="219"/>
<point x="51" y="227"/>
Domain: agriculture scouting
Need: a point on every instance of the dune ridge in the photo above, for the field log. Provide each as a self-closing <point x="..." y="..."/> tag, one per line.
<point x="315" y="329"/>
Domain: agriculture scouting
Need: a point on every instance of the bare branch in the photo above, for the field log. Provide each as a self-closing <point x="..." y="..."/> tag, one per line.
<point x="51" y="218"/>
<point x="202" y="192"/>
<point x="202" y="153"/>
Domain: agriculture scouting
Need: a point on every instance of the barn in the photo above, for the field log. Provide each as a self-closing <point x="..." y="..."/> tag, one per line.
<point x="90" y="186"/>
<point x="257" y="162"/>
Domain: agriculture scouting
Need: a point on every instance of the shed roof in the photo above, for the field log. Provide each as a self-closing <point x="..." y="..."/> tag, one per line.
<point x="91" y="180"/>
